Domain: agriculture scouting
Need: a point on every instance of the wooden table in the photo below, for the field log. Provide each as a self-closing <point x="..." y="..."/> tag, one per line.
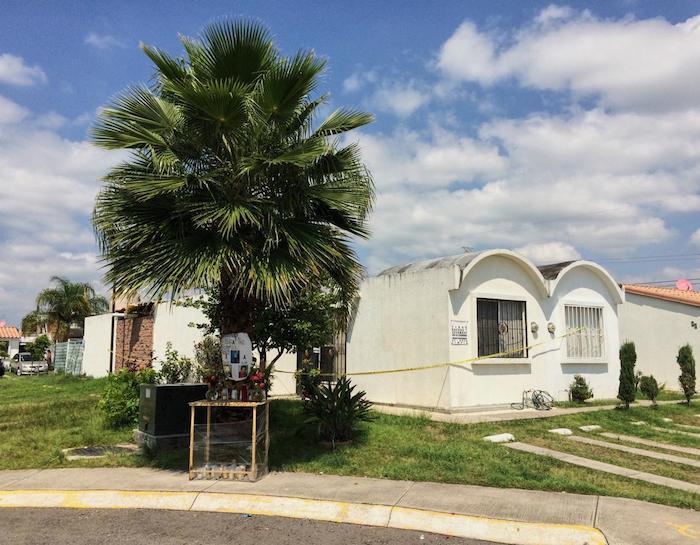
<point x="255" y="471"/>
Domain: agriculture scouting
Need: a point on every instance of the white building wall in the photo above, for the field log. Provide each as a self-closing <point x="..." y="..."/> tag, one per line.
<point x="402" y="321"/>
<point x="658" y="329"/>
<point x="582" y="286"/>
<point x="97" y="337"/>
<point x="12" y="347"/>
<point x="283" y="381"/>
<point x="177" y="325"/>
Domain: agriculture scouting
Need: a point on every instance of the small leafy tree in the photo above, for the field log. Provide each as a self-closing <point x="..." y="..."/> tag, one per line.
<point x="308" y="379"/>
<point x="628" y="357"/>
<point x="686" y="361"/>
<point x="337" y="410"/>
<point x="310" y="319"/>
<point x="580" y="390"/>
<point x="175" y="369"/>
<point x="39" y="347"/>
<point x="650" y="388"/>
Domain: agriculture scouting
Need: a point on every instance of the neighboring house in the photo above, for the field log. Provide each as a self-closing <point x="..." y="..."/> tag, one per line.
<point x="476" y="305"/>
<point x="659" y="321"/>
<point x="10" y="338"/>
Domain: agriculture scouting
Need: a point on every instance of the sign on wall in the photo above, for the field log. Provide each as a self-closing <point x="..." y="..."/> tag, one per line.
<point x="458" y="332"/>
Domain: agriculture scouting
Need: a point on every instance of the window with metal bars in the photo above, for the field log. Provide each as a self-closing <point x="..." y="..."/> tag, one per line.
<point x="501" y="328"/>
<point x="585" y="333"/>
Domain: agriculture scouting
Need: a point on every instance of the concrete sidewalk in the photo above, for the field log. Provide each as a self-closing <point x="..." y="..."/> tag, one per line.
<point x="490" y="514"/>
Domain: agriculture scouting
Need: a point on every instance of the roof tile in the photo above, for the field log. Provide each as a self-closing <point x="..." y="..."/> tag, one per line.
<point x="668" y="294"/>
<point x="9" y="332"/>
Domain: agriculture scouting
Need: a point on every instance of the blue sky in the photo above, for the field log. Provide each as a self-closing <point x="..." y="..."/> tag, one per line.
<point x="559" y="130"/>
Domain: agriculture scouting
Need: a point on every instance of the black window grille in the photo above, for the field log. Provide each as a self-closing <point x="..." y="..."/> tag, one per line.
<point x="501" y="328"/>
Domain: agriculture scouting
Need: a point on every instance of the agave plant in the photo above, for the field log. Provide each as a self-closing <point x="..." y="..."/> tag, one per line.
<point x="337" y="410"/>
<point x="232" y="182"/>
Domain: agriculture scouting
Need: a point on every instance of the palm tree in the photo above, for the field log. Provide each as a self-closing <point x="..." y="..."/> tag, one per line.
<point x="68" y="303"/>
<point x="33" y="323"/>
<point x="231" y="183"/>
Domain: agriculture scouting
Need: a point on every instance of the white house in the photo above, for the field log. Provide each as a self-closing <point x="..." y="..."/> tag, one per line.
<point x="659" y="321"/>
<point x="10" y="338"/>
<point x="468" y="308"/>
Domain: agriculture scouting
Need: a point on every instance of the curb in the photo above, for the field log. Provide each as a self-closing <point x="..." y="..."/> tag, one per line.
<point x="401" y="518"/>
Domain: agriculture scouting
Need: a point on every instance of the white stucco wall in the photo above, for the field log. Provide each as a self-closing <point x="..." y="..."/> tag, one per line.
<point x="171" y="323"/>
<point x="283" y="381"/>
<point x="96" y="337"/>
<point x="402" y="321"/>
<point x="658" y="329"/>
<point x="12" y="347"/>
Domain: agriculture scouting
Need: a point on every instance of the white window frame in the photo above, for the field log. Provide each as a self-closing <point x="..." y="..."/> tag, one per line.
<point x="602" y="335"/>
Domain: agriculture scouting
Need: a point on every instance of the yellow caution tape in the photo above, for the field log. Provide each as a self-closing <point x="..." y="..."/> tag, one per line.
<point x="444" y="364"/>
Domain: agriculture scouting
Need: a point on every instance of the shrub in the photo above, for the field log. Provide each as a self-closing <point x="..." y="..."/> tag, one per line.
<point x="650" y="388"/>
<point x="580" y="390"/>
<point x="686" y="361"/>
<point x="628" y="357"/>
<point x="120" y="399"/>
<point x="175" y="369"/>
<point x="337" y="410"/>
<point x="308" y="379"/>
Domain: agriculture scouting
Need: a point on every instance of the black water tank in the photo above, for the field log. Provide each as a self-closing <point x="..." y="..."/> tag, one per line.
<point x="164" y="409"/>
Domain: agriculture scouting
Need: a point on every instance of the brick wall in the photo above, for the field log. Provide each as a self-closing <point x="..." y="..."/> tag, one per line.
<point x="134" y="342"/>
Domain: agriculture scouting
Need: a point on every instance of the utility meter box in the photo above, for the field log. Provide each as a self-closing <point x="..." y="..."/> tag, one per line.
<point x="164" y="415"/>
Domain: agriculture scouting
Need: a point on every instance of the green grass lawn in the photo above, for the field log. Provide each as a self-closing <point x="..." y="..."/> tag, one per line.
<point x="41" y="415"/>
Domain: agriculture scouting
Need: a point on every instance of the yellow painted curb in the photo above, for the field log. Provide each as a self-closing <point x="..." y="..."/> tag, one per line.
<point x="402" y="518"/>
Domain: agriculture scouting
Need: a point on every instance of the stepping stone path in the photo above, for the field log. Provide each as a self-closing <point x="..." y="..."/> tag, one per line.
<point x="500" y="438"/>
<point x="688" y="427"/>
<point x="637" y="451"/>
<point x="561" y="431"/>
<point x="650" y="443"/>
<point x="667" y="419"/>
<point x="83" y="453"/>
<point x="607" y="468"/>
<point x="639" y="423"/>
<point x="592" y="427"/>
<point x="667" y="430"/>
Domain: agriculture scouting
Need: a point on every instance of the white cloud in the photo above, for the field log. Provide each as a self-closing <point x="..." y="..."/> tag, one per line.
<point x="11" y="112"/>
<point x="103" y="41"/>
<point x="46" y="198"/>
<point x="14" y="71"/>
<point x="549" y="252"/>
<point x="638" y="64"/>
<point x="695" y="238"/>
<point x="436" y="159"/>
<point x="400" y="100"/>
<point x="553" y="186"/>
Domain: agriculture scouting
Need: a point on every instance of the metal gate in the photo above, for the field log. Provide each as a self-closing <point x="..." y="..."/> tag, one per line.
<point x="68" y="357"/>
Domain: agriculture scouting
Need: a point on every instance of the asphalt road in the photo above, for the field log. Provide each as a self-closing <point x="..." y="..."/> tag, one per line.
<point x="148" y="527"/>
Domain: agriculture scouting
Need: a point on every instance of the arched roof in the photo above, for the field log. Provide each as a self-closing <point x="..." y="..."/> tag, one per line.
<point x="466" y="262"/>
<point x="545" y="277"/>
<point x="613" y="287"/>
